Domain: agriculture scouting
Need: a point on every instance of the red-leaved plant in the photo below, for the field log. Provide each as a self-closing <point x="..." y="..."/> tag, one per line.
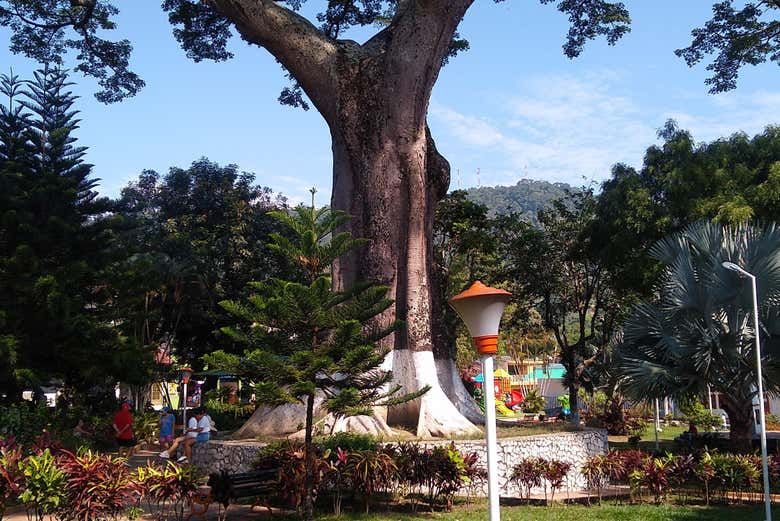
<point x="168" y="488"/>
<point x="527" y="474"/>
<point x="11" y="478"/>
<point x="97" y="487"/>
<point x="554" y="472"/>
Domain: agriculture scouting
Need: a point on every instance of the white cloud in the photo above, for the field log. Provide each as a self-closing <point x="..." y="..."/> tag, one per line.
<point x="569" y="128"/>
<point x="558" y="128"/>
<point x="732" y="112"/>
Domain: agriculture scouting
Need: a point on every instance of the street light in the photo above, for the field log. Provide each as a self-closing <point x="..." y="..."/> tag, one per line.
<point x="767" y="502"/>
<point x="481" y="307"/>
<point x="186" y="373"/>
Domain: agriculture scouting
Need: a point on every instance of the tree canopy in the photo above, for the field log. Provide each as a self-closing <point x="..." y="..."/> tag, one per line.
<point x="54" y="242"/>
<point x="699" y="331"/>
<point x="47" y="30"/>
<point x="732" y="180"/>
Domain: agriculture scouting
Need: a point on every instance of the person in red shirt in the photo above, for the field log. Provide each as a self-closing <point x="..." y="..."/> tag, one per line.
<point x="123" y="431"/>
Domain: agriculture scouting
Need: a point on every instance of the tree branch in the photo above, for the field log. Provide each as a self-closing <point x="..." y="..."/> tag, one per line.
<point x="302" y="48"/>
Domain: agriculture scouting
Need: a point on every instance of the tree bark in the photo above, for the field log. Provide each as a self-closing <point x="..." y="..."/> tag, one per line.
<point x="740" y="413"/>
<point x="387" y="173"/>
<point x="574" y="404"/>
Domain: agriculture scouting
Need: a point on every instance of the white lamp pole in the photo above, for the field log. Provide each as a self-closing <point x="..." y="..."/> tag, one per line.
<point x="186" y="373"/>
<point x="481" y="307"/>
<point x="764" y="459"/>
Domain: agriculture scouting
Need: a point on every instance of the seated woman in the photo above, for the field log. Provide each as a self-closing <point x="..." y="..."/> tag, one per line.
<point x="198" y="431"/>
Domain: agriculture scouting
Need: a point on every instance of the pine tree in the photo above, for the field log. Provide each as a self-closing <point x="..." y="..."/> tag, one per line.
<point x="16" y="154"/>
<point x="305" y="337"/>
<point x="53" y="237"/>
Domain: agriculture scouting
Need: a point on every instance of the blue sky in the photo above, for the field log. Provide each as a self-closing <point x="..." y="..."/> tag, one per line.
<point x="513" y="106"/>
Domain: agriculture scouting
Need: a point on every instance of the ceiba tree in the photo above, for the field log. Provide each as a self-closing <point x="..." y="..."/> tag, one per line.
<point x="387" y="173"/>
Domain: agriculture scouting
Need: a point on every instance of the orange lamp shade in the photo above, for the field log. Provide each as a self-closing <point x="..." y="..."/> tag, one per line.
<point x="186" y="373"/>
<point x="480" y="307"/>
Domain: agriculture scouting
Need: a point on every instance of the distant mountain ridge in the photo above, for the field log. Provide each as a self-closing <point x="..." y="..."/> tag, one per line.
<point x="526" y="197"/>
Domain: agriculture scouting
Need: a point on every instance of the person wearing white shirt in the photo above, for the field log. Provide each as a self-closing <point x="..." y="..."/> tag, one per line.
<point x="198" y="431"/>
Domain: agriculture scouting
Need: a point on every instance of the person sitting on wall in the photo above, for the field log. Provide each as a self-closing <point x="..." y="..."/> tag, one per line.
<point x="198" y="431"/>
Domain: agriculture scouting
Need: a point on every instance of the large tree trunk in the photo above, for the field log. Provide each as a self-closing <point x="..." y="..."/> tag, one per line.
<point x="740" y="413"/>
<point x="387" y="173"/>
<point x="389" y="177"/>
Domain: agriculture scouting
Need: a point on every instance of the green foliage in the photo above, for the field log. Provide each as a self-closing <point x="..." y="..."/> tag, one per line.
<point x="146" y="426"/>
<point x="44" y="485"/>
<point x="534" y="402"/>
<point x="730" y="180"/>
<point x="348" y="441"/>
<point x="24" y="421"/>
<point x="167" y="488"/>
<point x="694" y="412"/>
<point x="700" y="330"/>
<point x="304" y="337"/>
<point x="748" y="35"/>
<point x="229" y="416"/>
<point x="190" y="239"/>
<point x="525" y="199"/>
<point x="555" y="269"/>
<point x="48" y="31"/>
<point x="53" y="243"/>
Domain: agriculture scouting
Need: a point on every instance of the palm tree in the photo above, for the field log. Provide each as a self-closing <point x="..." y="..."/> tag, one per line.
<point x="699" y="330"/>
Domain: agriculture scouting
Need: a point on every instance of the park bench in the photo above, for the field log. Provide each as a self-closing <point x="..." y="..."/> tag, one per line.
<point x="225" y="489"/>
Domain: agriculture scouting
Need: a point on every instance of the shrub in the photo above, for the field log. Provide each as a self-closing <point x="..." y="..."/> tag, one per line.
<point x="704" y="472"/>
<point x="367" y="470"/>
<point x="597" y="473"/>
<point x="97" y="487"/>
<point x="694" y="412"/>
<point x="10" y="474"/>
<point x="527" y="474"/>
<point x="533" y="402"/>
<point x="336" y="477"/>
<point x="146" y="426"/>
<point x="43" y="485"/>
<point x="347" y="441"/>
<point x="289" y="457"/>
<point x="535" y="472"/>
<point x="229" y="416"/>
<point x="410" y="468"/>
<point x="24" y="421"/>
<point x="167" y="488"/>
<point x="733" y="472"/>
<point x="554" y="472"/>
<point x="474" y="475"/>
<point x="434" y="473"/>
<point x="652" y="475"/>
<point x="625" y="463"/>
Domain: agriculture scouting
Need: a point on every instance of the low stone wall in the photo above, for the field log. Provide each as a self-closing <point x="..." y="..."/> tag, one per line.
<point x="571" y="447"/>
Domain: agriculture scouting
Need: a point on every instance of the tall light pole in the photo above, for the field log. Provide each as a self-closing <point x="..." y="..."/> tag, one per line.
<point x="186" y="373"/>
<point x="767" y="501"/>
<point x="481" y="307"/>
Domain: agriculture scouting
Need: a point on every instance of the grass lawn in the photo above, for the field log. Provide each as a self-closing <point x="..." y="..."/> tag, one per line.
<point x="647" y="443"/>
<point x="576" y="513"/>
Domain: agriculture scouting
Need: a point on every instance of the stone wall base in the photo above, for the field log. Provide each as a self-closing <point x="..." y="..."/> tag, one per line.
<point x="571" y="447"/>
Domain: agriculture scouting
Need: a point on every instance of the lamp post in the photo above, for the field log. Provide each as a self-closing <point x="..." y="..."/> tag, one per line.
<point x="767" y="501"/>
<point x="481" y="307"/>
<point x="186" y="373"/>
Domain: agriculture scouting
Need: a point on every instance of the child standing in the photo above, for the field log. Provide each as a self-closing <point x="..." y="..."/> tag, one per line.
<point x="166" y="427"/>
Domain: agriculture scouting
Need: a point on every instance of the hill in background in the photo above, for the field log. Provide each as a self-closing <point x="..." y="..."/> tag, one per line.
<point x="527" y="197"/>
